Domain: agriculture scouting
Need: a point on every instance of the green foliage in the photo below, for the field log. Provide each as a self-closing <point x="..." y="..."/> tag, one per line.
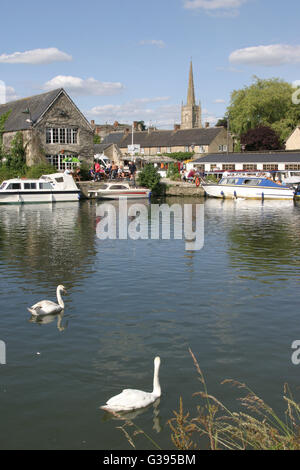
<point x="97" y="139"/>
<point x="3" y="119"/>
<point x="16" y="158"/>
<point x="150" y="178"/>
<point x="7" y="173"/>
<point x="37" y="171"/>
<point x="84" y="171"/>
<point x="222" y="122"/>
<point x="264" y="103"/>
<point x="173" y="172"/>
<point x="180" y="156"/>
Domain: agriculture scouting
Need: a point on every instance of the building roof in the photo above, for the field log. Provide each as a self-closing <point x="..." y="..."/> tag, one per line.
<point x="100" y="148"/>
<point x="37" y="105"/>
<point x="171" y="138"/>
<point x="113" y="138"/>
<point x="251" y="157"/>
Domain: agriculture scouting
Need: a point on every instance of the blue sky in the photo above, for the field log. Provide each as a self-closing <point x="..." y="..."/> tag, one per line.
<point x="129" y="60"/>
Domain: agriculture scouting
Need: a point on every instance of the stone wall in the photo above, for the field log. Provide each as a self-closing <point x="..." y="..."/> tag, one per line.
<point x="63" y="113"/>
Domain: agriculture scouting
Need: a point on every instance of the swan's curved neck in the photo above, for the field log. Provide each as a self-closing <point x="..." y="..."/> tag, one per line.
<point x="59" y="298"/>
<point x="156" y="384"/>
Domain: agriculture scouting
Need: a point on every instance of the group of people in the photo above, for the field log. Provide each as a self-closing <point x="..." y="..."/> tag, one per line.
<point x="98" y="172"/>
<point x="191" y="175"/>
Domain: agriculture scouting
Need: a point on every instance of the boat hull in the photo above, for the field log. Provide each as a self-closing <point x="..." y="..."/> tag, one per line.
<point x="254" y="192"/>
<point x="135" y="194"/>
<point x="11" y="197"/>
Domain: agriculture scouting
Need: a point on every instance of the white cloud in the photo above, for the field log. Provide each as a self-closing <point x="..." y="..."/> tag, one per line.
<point x="153" y="42"/>
<point x="35" y="57"/>
<point x="161" y="115"/>
<point x="11" y="94"/>
<point x="84" y="87"/>
<point x="213" y="4"/>
<point x="276" y="54"/>
<point x="219" y="100"/>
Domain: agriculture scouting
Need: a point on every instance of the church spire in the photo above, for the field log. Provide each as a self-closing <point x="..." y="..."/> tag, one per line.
<point x="191" y="91"/>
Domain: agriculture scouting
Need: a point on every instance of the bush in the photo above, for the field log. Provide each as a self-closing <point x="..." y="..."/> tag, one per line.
<point x="173" y="172"/>
<point x="38" y="170"/>
<point x="150" y="178"/>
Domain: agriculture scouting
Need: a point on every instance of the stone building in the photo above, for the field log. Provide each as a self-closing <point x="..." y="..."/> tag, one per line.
<point x="191" y="112"/>
<point x="54" y="130"/>
<point x="156" y="142"/>
<point x="293" y="141"/>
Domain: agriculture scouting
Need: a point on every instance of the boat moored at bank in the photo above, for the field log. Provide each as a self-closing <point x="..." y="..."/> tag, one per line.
<point x="252" y="187"/>
<point x="115" y="190"/>
<point x="57" y="187"/>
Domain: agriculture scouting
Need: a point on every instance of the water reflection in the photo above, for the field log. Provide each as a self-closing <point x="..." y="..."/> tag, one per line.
<point x="46" y="319"/>
<point x="263" y="237"/>
<point x="132" y="415"/>
<point x="48" y="243"/>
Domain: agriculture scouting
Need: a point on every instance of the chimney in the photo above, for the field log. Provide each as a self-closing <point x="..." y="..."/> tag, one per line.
<point x="135" y="125"/>
<point x="126" y="132"/>
<point x="116" y="124"/>
<point x="92" y="123"/>
<point x="176" y="127"/>
<point x="206" y="124"/>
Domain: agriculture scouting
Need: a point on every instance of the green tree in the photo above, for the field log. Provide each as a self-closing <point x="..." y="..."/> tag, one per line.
<point x="264" y="103"/>
<point x="16" y="159"/>
<point x="150" y="178"/>
<point x="97" y="139"/>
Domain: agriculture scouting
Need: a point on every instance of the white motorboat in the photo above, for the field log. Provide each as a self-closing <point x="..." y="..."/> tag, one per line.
<point x="57" y="187"/>
<point x="115" y="190"/>
<point x="252" y="187"/>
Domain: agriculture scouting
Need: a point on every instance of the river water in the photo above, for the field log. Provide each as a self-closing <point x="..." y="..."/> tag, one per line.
<point x="235" y="303"/>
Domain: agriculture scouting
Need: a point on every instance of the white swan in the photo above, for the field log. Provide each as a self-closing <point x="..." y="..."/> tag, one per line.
<point x="131" y="399"/>
<point x="46" y="307"/>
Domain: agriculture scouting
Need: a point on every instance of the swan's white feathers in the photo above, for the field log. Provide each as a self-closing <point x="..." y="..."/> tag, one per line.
<point x="130" y="399"/>
<point x="45" y="307"/>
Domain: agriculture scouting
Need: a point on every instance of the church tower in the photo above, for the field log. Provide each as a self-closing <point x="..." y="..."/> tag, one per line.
<point x="191" y="113"/>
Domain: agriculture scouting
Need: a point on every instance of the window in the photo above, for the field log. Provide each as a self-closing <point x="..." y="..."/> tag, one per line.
<point x="168" y="149"/>
<point x="14" y="186"/>
<point x="270" y="167"/>
<point x="29" y="185"/>
<point x="250" y="167"/>
<point x="3" y="185"/>
<point x="158" y="149"/>
<point x="201" y="149"/>
<point x="45" y="186"/>
<point x="228" y="167"/>
<point x="118" y="186"/>
<point x="186" y="148"/>
<point x="222" y="148"/>
<point x="292" y="167"/>
<point x="61" y="135"/>
<point x="58" y="161"/>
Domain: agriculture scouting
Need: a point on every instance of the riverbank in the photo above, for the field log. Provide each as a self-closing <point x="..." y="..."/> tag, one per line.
<point x="171" y="188"/>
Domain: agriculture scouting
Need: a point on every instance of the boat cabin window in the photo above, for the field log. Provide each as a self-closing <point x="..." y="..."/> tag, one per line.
<point x="14" y="186"/>
<point x="118" y="186"/>
<point x="59" y="180"/>
<point x="103" y="186"/>
<point x="45" y="186"/>
<point x="29" y="185"/>
<point x="252" y="182"/>
<point x="3" y="185"/>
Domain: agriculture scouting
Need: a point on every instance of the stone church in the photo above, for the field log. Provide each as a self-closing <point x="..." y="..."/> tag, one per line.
<point x="191" y="112"/>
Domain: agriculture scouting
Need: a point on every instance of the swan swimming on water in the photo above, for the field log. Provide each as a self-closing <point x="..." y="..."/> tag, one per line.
<point x="46" y="307"/>
<point x="130" y="399"/>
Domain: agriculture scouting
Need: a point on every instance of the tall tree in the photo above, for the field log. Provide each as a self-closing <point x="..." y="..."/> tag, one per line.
<point x="264" y="103"/>
<point x="261" y="138"/>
